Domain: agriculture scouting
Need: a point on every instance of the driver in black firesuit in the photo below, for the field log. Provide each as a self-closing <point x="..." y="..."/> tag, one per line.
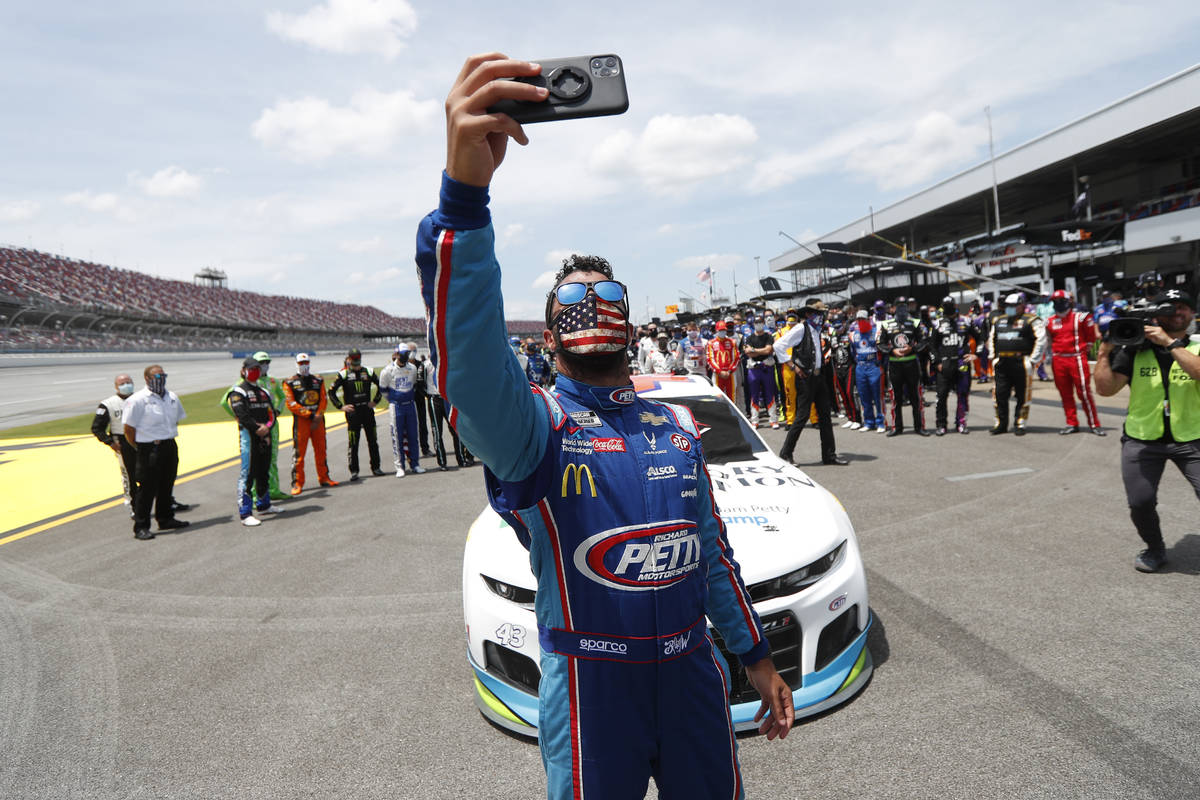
<point x="902" y="340"/>
<point x="357" y="400"/>
<point x="1016" y="342"/>
<point x="952" y="357"/>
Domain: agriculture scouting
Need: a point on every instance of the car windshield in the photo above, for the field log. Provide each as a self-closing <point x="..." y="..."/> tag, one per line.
<point x="724" y="434"/>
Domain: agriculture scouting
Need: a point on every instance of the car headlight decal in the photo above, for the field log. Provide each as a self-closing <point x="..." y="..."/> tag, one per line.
<point x="513" y="594"/>
<point x="797" y="579"/>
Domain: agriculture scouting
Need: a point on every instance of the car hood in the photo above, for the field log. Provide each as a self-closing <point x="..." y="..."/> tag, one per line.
<point x="777" y="519"/>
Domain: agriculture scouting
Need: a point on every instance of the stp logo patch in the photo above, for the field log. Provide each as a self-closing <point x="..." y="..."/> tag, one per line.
<point x="623" y="396"/>
<point x="681" y="441"/>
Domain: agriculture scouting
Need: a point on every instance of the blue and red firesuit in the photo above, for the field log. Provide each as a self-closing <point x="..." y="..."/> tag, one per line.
<point x="611" y="494"/>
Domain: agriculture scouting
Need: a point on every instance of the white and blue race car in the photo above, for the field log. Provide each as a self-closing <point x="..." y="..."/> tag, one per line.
<point x="792" y="538"/>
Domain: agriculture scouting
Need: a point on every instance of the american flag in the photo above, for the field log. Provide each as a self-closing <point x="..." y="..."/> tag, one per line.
<point x="705" y="274"/>
<point x="588" y="328"/>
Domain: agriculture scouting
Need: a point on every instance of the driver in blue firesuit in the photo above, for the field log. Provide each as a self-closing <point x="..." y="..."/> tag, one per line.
<point x="628" y="548"/>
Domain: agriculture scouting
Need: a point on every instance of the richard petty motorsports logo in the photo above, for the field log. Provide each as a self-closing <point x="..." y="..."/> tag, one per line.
<point x="640" y="557"/>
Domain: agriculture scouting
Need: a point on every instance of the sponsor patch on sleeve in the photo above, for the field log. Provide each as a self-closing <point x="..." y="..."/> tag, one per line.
<point x="586" y="419"/>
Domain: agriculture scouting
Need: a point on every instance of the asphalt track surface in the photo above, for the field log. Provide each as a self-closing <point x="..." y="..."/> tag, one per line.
<point x="1018" y="654"/>
<point x="49" y="386"/>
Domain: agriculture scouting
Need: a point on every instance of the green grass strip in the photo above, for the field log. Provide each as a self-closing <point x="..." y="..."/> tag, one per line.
<point x="203" y="406"/>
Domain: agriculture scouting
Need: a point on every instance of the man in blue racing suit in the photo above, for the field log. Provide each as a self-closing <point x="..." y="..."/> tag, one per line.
<point x="609" y="491"/>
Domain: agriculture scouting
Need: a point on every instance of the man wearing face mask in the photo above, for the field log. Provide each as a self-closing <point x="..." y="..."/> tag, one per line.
<point x="803" y="342"/>
<point x="759" y="351"/>
<point x="901" y="340"/>
<point x="254" y="411"/>
<point x="538" y="370"/>
<point x="1071" y="333"/>
<point x="108" y="428"/>
<point x="951" y="349"/>
<point x="275" y="391"/>
<point x="867" y="372"/>
<point x="399" y="380"/>
<point x="354" y="382"/>
<point x="662" y="360"/>
<point x="1163" y="421"/>
<point x="1017" y="342"/>
<point x="1105" y="311"/>
<point x="150" y="419"/>
<point x="723" y="358"/>
<point x="571" y="474"/>
<point x="693" y="351"/>
<point x="304" y="394"/>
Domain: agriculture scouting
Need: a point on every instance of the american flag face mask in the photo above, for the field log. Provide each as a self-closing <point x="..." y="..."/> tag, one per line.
<point x="594" y="317"/>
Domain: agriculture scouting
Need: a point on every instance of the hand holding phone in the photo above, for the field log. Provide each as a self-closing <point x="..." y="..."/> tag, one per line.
<point x="583" y="86"/>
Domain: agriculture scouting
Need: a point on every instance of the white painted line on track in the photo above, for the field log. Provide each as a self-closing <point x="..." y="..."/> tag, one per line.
<point x="998" y="474"/>
<point x="80" y="380"/>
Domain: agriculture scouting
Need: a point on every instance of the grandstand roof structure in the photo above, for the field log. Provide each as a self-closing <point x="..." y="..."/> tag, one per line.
<point x="1138" y="159"/>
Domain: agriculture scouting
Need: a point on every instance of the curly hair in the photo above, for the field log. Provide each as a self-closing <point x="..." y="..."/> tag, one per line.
<point x="576" y="263"/>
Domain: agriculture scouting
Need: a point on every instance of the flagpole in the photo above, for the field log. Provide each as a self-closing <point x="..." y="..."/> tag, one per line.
<point x="992" y="152"/>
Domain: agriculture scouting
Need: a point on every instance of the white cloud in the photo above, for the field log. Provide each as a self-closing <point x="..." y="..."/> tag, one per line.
<point x="105" y="202"/>
<point x="18" y="210"/>
<point x="169" y="181"/>
<point x="349" y="26"/>
<point x="935" y="143"/>
<point x="513" y="234"/>
<point x="545" y="280"/>
<point x="310" y="129"/>
<point x="715" y="260"/>
<point x="358" y="246"/>
<point x="92" y="202"/>
<point x="674" y="152"/>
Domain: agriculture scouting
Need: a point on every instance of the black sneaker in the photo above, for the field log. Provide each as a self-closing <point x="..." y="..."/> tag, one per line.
<point x="173" y="524"/>
<point x="922" y="432"/>
<point x="1067" y="431"/>
<point x="1019" y="430"/>
<point x="353" y="477"/>
<point x="894" y="432"/>
<point x="835" y="461"/>
<point x="376" y="471"/>
<point x="1150" y="560"/>
<point x="997" y="430"/>
<point x="142" y="533"/>
<point x="177" y="507"/>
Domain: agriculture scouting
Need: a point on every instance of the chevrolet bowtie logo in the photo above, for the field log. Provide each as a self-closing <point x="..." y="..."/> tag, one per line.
<point x="652" y="418"/>
<point x="578" y="471"/>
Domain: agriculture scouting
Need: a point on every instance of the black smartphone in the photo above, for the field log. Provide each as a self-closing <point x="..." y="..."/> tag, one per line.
<point x="584" y="86"/>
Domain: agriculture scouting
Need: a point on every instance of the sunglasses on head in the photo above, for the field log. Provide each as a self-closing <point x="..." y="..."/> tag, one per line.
<point x="571" y="293"/>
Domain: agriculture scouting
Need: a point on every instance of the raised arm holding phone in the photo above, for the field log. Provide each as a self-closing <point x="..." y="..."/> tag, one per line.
<point x="628" y="548"/>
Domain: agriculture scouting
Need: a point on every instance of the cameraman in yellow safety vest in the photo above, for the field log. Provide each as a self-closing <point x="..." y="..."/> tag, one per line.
<point x="1163" y="420"/>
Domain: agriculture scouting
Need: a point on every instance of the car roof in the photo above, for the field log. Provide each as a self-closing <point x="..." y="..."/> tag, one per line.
<point x="668" y="386"/>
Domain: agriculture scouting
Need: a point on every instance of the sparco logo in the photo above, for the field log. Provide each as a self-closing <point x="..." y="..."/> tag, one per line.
<point x="623" y="396"/>
<point x="602" y="646"/>
<point x="611" y="445"/>
<point x="676" y="644"/>
<point x="640" y="558"/>
<point x="681" y="441"/>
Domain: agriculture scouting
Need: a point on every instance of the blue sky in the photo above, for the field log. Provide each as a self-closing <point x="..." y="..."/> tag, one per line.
<point x="296" y="143"/>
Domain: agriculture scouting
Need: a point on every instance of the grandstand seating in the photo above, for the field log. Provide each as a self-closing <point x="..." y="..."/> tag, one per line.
<point x="222" y="318"/>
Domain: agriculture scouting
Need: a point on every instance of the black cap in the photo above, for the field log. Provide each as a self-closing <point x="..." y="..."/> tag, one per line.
<point x="249" y="362"/>
<point x="1174" y="296"/>
<point x="354" y="353"/>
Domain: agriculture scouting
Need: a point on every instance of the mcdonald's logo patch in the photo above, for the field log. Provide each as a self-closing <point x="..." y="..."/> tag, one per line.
<point x="577" y="473"/>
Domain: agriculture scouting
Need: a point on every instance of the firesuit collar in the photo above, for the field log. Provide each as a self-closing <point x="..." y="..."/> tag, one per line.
<point x="608" y="398"/>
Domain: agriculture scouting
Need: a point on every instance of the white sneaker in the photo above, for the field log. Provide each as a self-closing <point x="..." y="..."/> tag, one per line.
<point x="855" y="426"/>
<point x="251" y="522"/>
<point x="847" y="424"/>
<point x="400" y="472"/>
<point x="270" y="510"/>
<point x="882" y="430"/>
<point x="419" y="470"/>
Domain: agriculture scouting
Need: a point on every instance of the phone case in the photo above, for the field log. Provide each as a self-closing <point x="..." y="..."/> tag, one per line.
<point x="584" y="86"/>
